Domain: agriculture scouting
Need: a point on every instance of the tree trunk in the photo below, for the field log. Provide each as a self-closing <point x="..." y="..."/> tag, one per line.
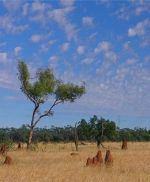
<point x="76" y="138"/>
<point x="30" y="138"/>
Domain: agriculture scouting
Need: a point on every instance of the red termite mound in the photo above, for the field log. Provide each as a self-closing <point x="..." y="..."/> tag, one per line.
<point x="108" y="158"/>
<point x="89" y="161"/>
<point x="3" y="149"/>
<point x="8" y="160"/>
<point x="95" y="160"/>
<point x="19" y="146"/>
<point x="124" y="144"/>
<point x="99" y="157"/>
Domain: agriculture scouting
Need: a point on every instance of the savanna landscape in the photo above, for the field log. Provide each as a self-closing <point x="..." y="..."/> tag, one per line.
<point x="54" y="163"/>
<point x="74" y="91"/>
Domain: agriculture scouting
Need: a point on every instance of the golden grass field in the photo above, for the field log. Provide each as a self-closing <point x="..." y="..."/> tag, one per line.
<point x="53" y="163"/>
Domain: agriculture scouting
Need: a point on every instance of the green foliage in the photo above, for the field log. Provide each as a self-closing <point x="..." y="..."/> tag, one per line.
<point x="66" y="134"/>
<point x="37" y="91"/>
<point x="46" y="84"/>
<point x="69" y="92"/>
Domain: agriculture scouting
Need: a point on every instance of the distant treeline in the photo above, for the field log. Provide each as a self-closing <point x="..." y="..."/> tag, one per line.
<point x="91" y="130"/>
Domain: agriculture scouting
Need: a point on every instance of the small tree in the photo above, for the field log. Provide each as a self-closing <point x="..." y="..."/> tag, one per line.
<point x="39" y="90"/>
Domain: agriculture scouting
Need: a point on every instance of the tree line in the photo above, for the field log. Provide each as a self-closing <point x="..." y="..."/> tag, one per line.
<point x="93" y="130"/>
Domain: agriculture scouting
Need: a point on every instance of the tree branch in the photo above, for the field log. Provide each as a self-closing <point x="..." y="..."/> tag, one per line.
<point x="33" y="114"/>
<point x="48" y="112"/>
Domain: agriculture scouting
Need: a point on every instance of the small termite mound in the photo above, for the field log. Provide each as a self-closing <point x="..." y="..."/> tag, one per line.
<point x="3" y="149"/>
<point x="99" y="157"/>
<point x="8" y="160"/>
<point x="124" y="144"/>
<point x="19" y="146"/>
<point x="108" y="158"/>
<point x="89" y="161"/>
<point x="74" y="154"/>
<point x="95" y="161"/>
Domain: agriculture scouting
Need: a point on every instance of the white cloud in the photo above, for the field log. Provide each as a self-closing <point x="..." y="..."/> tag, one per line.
<point x="87" y="60"/>
<point x="139" y="29"/>
<point x="46" y="46"/>
<point x="8" y="76"/>
<point x="126" y="46"/>
<point x="102" y="47"/>
<point x="93" y="35"/>
<point x="105" y="47"/>
<point x="25" y="10"/>
<point x="12" y="5"/>
<point x="8" y="24"/>
<point x="87" y="21"/>
<point x="43" y="13"/>
<point x="131" y="61"/>
<point x="67" y="2"/>
<point x="144" y="7"/>
<point x="39" y="12"/>
<point x="110" y="55"/>
<point x="53" y="59"/>
<point x="3" y="57"/>
<point x="135" y="9"/>
<point x="17" y="50"/>
<point x="60" y="16"/>
<point x="65" y="47"/>
<point x="123" y="13"/>
<point x="53" y="62"/>
<point x="5" y="80"/>
<point x="36" y="38"/>
<point x="80" y="49"/>
<point x="38" y="6"/>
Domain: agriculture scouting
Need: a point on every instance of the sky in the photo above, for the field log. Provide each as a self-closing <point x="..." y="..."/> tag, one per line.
<point x="104" y="43"/>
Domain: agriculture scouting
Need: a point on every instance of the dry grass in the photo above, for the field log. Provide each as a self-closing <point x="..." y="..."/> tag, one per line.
<point x="53" y="163"/>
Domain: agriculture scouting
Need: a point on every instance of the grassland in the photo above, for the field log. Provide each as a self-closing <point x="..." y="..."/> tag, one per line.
<point x="53" y="163"/>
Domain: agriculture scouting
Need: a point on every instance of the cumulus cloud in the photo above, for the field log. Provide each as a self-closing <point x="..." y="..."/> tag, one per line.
<point x="110" y="55"/>
<point x="38" y="6"/>
<point x="8" y="77"/>
<point x="142" y="8"/>
<point x="17" y="50"/>
<point x="25" y="8"/>
<point x="140" y="29"/>
<point x="36" y="38"/>
<point x="3" y="57"/>
<point x="87" y="60"/>
<point x="53" y="62"/>
<point x="43" y="13"/>
<point x="131" y="61"/>
<point x="60" y="16"/>
<point x="12" y="5"/>
<point x="126" y="46"/>
<point x="88" y="21"/>
<point x="105" y="48"/>
<point x="93" y="35"/>
<point x="65" y="47"/>
<point x="80" y="49"/>
<point x="46" y="45"/>
<point x="102" y="46"/>
<point x="67" y="2"/>
<point x="134" y="9"/>
<point x="8" y="24"/>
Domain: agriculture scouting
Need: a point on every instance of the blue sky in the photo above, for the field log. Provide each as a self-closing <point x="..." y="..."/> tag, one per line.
<point x="104" y="43"/>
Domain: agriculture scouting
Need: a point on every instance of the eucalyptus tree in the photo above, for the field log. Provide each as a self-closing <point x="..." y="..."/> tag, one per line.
<point x="39" y="91"/>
